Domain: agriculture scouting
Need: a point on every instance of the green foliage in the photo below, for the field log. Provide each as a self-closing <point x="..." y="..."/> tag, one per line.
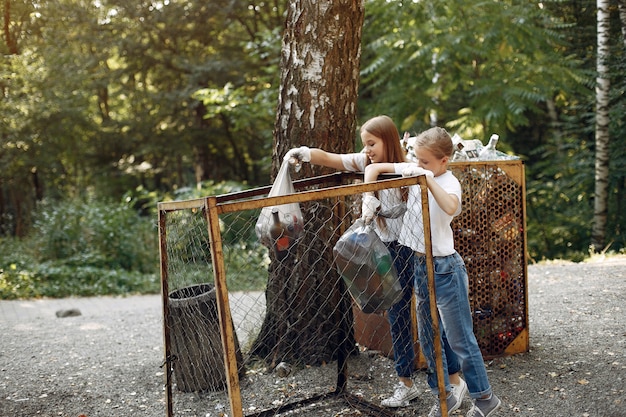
<point x="95" y="234"/>
<point x="59" y="280"/>
<point x="24" y="275"/>
<point x="523" y="70"/>
<point x="119" y="99"/>
<point x="242" y="250"/>
<point x="246" y="266"/>
<point x="80" y="249"/>
<point x="473" y="67"/>
<point x="561" y="167"/>
<point x="251" y="261"/>
<point x="230" y="225"/>
<point x="559" y="194"/>
<point x="111" y="104"/>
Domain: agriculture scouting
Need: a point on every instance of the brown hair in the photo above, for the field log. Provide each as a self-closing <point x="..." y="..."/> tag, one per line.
<point x="383" y="127"/>
<point x="437" y="140"/>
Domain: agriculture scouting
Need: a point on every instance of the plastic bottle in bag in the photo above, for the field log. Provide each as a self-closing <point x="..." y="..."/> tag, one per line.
<point x="294" y="228"/>
<point x="391" y="290"/>
<point x="368" y="282"/>
<point x="366" y="266"/>
<point x="384" y="263"/>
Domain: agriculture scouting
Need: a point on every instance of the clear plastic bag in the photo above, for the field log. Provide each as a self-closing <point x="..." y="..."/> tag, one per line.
<point x="280" y="232"/>
<point x="366" y="266"/>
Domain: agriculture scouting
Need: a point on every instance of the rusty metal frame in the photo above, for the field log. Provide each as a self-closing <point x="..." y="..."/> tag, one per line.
<point x="213" y="206"/>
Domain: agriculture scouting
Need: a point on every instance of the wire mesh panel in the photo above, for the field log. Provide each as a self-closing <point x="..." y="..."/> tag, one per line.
<point x="277" y="314"/>
<point x="490" y="236"/>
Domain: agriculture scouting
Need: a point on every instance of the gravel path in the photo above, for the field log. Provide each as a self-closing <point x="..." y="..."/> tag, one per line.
<point x="107" y="361"/>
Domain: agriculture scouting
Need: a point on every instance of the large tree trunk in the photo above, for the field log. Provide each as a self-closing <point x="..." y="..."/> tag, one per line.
<point x="598" y="233"/>
<point x="308" y="314"/>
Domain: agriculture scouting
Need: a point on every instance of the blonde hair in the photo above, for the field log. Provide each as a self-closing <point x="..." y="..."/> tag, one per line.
<point x="436" y="140"/>
<point x="384" y="128"/>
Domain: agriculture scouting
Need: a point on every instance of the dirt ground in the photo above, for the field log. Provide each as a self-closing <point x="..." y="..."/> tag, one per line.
<point x="107" y="361"/>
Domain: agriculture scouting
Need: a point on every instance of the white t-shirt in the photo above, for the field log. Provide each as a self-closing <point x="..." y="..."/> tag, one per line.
<point x="356" y="162"/>
<point x="441" y="233"/>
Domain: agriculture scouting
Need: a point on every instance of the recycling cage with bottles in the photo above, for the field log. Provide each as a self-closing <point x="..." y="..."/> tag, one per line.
<point x="490" y="236"/>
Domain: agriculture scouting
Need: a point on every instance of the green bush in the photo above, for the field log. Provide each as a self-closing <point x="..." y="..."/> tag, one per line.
<point x="101" y="235"/>
<point x="80" y="248"/>
<point x="58" y="280"/>
<point x="86" y="248"/>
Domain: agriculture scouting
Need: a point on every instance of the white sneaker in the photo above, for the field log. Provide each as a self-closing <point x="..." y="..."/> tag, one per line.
<point x="401" y="396"/>
<point x="459" y="391"/>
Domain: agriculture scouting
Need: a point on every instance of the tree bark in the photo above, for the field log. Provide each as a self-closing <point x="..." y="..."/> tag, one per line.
<point x="308" y="314"/>
<point x="598" y="232"/>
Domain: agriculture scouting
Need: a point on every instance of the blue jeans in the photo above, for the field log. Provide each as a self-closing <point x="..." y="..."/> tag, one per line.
<point x="452" y="289"/>
<point x="399" y="315"/>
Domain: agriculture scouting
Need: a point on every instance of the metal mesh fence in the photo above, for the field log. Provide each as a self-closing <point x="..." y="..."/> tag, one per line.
<point x="276" y="317"/>
<point x="280" y="315"/>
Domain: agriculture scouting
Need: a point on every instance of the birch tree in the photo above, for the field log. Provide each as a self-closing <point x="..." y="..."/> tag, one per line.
<point x="621" y="5"/>
<point x="598" y="232"/>
<point x="317" y="107"/>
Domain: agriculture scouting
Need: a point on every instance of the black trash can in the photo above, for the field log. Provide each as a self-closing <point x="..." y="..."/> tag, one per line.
<point x="195" y="338"/>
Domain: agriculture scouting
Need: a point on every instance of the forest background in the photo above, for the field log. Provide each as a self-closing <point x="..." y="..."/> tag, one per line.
<point x="111" y="106"/>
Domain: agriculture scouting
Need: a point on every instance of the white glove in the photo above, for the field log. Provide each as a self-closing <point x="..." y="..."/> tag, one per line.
<point x="370" y="205"/>
<point x="414" y="170"/>
<point x="297" y="155"/>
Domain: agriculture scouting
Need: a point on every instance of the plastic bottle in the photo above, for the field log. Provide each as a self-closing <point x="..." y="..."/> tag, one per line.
<point x="459" y="153"/>
<point x="280" y="238"/>
<point x="456" y="139"/>
<point x="360" y="245"/>
<point x="383" y="263"/>
<point x="488" y="153"/>
<point x="472" y="148"/>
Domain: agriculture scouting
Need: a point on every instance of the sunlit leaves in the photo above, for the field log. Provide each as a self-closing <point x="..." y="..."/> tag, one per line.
<point x="482" y="57"/>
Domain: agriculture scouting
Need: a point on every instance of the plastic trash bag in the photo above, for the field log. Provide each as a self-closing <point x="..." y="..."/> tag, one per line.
<point x="282" y="234"/>
<point x="366" y="266"/>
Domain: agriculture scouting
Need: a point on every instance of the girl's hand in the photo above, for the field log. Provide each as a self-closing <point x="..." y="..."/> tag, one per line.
<point x="369" y="207"/>
<point x="415" y="170"/>
<point x="298" y="155"/>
